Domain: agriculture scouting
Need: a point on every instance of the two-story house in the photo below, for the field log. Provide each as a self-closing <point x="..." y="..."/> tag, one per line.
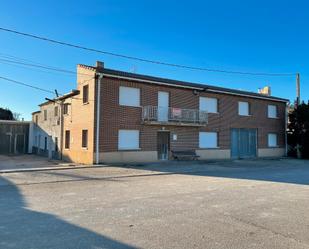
<point x="126" y="117"/>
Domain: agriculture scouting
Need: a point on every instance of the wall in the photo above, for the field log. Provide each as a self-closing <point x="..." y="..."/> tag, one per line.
<point x="115" y="117"/>
<point x="81" y="117"/>
<point x="49" y="129"/>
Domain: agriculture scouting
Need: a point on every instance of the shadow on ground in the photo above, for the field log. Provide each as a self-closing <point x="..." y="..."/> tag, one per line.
<point x="21" y="227"/>
<point x="282" y="171"/>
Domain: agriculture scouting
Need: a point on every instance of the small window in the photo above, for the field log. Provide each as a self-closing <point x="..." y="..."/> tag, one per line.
<point x="56" y="144"/>
<point x="67" y="140"/>
<point x="56" y="111"/>
<point x="272" y="111"/>
<point x="85" y="94"/>
<point x="272" y="140"/>
<point x="208" y="140"/>
<point x="84" y="138"/>
<point x="209" y="104"/>
<point x="66" y="109"/>
<point x="45" y="143"/>
<point x="36" y="119"/>
<point x="128" y="139"/>
<point x="243" y="109"/>
<point x="129" y="96"/>
<point x="45" y="115"/>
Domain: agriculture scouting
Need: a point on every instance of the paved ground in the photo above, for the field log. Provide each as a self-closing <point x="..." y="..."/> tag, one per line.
<point x="22" y="162"/>
<point x="242" y="204"/>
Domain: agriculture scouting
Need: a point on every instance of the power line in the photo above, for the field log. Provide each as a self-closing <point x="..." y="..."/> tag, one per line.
<point x="34" y="87"/>
<point x="22" y="61"/>
<point x="140" y="59"/>
<point x="27" y="85"/>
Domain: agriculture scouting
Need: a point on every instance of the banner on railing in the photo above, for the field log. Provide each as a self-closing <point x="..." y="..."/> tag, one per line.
<point x="176" y="112"/>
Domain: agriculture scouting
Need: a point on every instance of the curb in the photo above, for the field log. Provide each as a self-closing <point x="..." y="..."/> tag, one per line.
<point x="5" y="171"/>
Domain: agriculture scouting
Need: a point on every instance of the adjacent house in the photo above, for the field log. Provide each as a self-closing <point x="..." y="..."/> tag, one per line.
<point x="116" y="116"/>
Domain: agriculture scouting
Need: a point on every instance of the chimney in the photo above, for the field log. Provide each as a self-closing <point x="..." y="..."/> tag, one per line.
<point x="99" y="64"/>
<point x="265" y="91"/>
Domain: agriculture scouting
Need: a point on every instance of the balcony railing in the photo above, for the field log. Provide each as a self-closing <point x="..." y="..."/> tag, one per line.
<point x="174" y="115"/>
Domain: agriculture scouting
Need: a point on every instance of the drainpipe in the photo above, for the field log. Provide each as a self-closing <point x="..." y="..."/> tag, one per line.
<point x="286" y="129"/>
<point x="97" y="149"/>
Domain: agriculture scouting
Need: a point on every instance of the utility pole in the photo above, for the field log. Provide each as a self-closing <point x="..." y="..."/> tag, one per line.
<point x="298" y="89"/>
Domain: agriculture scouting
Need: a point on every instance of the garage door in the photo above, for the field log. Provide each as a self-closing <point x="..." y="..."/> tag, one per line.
<point x="243" y="143"/>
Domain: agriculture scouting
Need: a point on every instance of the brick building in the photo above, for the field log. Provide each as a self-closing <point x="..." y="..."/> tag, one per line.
<point x="125" y="117"/>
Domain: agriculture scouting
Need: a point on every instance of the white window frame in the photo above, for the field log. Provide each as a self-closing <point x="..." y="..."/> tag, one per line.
<point x="208" y="104"/>
<point x="269" y="141"/>
<point x="204" y="144"/>
<point x="240" y="110"/>
<point x="127" y="98"/>
<point x="270" y="109"/>
<point x="128" y="135"/>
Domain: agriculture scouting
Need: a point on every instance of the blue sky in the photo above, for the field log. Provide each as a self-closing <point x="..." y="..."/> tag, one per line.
<point x="257" y="36"/>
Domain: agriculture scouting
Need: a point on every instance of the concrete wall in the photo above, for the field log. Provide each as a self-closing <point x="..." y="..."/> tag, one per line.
<point x="271" y="152"/>
<point x="128" y="156"/>
<point x="214" y="154"/>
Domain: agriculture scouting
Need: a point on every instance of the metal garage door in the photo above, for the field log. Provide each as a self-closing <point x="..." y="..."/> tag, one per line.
<point x="243" y="143"/>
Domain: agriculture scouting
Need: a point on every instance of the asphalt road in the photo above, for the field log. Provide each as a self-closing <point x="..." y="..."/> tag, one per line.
<point x="242" y="204"/>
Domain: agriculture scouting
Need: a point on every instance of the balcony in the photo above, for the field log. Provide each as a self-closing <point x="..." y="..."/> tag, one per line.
<point x="155" y="115"/>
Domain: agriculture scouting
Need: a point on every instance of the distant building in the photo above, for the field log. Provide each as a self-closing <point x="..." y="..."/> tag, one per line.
<point x="14" y="137"/>
<point x="116" y="116"/>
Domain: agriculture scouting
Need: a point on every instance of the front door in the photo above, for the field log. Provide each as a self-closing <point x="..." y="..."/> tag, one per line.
<point x="163" y="103"/>
<point x="163" y="141"/>
<point x="243" y="143"/>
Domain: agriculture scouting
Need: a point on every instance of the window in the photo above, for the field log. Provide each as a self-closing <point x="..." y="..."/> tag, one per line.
<point x="129" y="96"/>
<point x="56" y="144"/>
<point x="66" y="109"/>
<point x="208" y="140"/>
<point x="56" y="111"/>
<point x="67" y="140"/>
<point x="45" y="143"/>
<point x="272" y="111"/>
<point x="36" y="119"/>
<point x="45" y="115"/>
<point x="209" y="104"/>
<point x="243" y="108"/>
<point x="272" y="140"/>
<point x="128" y="139"/>
<point x="84" y="138"/>
<point x="85" y="94"/>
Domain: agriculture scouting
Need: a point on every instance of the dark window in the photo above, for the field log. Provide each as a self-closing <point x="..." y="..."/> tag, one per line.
<point x="45" y="115"/>
<point x="85" y="93"/>
<point x="65" y="108"/>
<point x="85" y="138"/>
<point x="67" y="140"/>
<point x="56" y="144"/>
<point x="36" y="119"/>
<point x="45" y="143"/>
<point x="56" y="111"/>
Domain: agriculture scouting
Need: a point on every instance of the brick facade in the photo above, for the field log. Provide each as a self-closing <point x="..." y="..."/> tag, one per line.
<point x="115" y="117"/>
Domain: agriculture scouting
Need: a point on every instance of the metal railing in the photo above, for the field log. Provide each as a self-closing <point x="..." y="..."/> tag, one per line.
<point x="171" y="114"/>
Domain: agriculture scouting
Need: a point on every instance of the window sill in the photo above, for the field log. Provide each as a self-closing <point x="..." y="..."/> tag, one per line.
<point x="273" y="147"/>
<point x="273" y="117"/>
<point x="84" y="148"/>
<point x="86" y="103"/>
<point x="137" y="149"/>
<point x="214" y="113"/>
<point x="250" y="115"/>
<point x="134" y="106"/>
<point x="213" y="148"/>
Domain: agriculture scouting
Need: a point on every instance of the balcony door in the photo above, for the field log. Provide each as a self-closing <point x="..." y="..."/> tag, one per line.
<point x="163" y="103"/>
